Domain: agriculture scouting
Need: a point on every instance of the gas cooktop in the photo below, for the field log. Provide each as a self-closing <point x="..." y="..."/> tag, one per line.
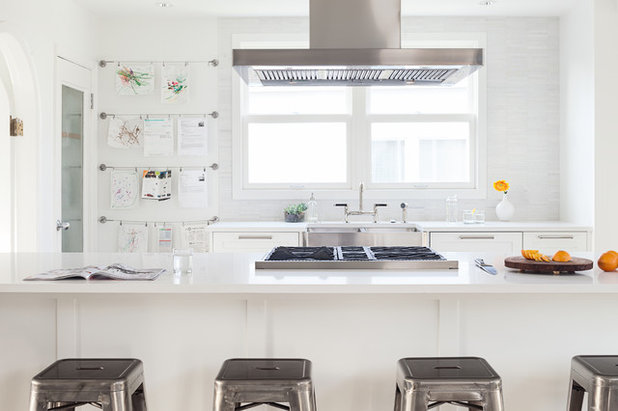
<point x="351" y="257"/>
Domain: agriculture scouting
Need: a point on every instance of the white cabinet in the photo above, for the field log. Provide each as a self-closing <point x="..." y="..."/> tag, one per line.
<point x="481" y="242"/>
<point x="550" y="242"/>
<point x="252" y="241"/>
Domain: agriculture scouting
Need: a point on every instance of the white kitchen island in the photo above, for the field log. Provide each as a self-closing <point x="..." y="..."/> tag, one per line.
<point x="353" y="325"/>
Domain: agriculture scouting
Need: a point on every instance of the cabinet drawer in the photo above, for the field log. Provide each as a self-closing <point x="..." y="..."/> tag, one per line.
<point x="550" y="242"/>
<point x="486" y="242"/>
<point x="252" y="242"/>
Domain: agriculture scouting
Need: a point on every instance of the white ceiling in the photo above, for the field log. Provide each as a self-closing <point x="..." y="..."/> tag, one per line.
<point x="301" y="7"/>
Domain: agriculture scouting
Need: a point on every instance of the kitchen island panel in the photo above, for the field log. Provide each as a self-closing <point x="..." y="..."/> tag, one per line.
<point x="182" y="341"/>
<point x="27" y="345"/>
<point x="354" y="343"/>
<point x="530" y="341"/>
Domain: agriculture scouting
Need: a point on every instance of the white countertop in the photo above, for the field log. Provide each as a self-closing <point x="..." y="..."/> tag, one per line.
<point x="235" y="274"/>
<point x="501" y="226"/>
<point x="421" y="225"/>
<point x="257" y="226"/>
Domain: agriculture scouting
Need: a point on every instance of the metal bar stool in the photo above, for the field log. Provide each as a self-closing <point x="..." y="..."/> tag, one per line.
<point x="425" y="383"/>
<point x="111" y="384"/>
<point x="254" y="382"/>
<point x="597" y="375"/>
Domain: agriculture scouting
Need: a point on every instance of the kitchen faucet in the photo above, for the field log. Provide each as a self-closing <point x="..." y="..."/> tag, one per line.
<point x="360" y="210"/>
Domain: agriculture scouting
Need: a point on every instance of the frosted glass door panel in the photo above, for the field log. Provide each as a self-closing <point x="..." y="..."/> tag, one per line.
<point x="72" y="170"/>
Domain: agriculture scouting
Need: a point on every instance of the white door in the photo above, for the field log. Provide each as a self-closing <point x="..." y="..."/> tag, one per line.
<point x="73" y="143"/>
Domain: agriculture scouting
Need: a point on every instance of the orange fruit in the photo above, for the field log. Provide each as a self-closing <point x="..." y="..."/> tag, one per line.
<point x="561" y="256"/>
<point x="608" y="261"/>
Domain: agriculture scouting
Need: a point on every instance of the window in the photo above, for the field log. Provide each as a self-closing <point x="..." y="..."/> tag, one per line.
<point x="328" y="139"/>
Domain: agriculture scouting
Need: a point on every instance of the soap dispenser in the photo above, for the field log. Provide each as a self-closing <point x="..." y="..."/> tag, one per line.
<point x="312" y="210"/>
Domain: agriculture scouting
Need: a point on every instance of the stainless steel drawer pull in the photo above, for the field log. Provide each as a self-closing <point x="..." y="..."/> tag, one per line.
<point x="555" y="237"/>
<point x="477" y="237"/>
<point x="255" y="237"/>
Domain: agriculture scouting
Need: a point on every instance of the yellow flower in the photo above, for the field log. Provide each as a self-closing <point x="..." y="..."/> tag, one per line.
<point x="501" y="185"/>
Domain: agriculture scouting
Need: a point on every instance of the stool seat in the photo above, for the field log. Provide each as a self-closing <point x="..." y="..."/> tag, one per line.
<point x="114" y="384"/>
<point x="597" y="375"/>
<point x="426" y="382"/>
<point x="256" y="381"/>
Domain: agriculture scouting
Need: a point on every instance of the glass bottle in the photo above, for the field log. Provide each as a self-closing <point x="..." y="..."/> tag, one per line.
<point x="451" y="209"/>
<point x="312" y="210"/>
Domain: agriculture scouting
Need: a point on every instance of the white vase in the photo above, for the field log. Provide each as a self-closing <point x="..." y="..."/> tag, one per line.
<point x="505" y="209"/>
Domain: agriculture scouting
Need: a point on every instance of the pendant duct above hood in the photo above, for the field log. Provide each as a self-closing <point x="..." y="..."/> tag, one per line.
<point x="356" y="43"/>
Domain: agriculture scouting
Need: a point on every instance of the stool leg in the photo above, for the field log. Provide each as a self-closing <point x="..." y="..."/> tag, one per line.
<point x="118" y="401"/>
<point x="138" y="399"/>
<point x="221" y="404"/>
<point x="36" y="404"/>
<point x="397" y="398"/>
<point x="494" y="401"/>
<point x="301" y="401"/>
<point x="613" y="400"/>
<point x="576" y="397"/>
<point x="414" y="401"/>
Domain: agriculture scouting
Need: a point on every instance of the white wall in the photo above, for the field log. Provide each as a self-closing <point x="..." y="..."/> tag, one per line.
<point x="523" y="103"/>
<point x="577" y="97"/>
<point x="606" y="126"/>
<point x="6" y="184"/>
<point x="44" y="29"/>
<point x="156" y="39"/>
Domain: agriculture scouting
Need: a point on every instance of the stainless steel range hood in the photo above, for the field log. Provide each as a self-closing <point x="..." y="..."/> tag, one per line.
<point x="356" y="43"/>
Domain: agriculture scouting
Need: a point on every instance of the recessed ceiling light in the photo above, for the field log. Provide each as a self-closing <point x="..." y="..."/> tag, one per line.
<point x="487" y="2"/>
<point x="164" y="4"/>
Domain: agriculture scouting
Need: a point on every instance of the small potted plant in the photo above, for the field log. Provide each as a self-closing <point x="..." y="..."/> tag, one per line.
<point x="295" y="213"/>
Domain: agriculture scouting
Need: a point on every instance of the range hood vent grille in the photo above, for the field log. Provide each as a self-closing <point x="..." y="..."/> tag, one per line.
<point x="361" y="76"/>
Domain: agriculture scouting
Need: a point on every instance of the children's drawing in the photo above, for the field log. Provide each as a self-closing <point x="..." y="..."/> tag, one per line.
<point x="174" y="84"/>
<point x="134" y="79"/>
<point x="127" y="132"/>
<point x="124" y="188"/>
<point x="132" y="238"/>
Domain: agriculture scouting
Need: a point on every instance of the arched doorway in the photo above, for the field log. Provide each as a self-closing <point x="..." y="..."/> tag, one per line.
<point x="18" y="155"/>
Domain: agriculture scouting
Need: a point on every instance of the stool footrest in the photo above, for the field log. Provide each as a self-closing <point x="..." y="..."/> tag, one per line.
<point x="257" y="404"/>
<point x="458" y="403"/>
<point x="75" y="404"/>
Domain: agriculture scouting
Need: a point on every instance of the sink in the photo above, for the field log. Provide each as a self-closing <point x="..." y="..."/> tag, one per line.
<point x="367" y="234"/>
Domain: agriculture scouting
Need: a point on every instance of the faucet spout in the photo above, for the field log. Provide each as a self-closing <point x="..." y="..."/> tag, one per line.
<point x="361" y="188"/>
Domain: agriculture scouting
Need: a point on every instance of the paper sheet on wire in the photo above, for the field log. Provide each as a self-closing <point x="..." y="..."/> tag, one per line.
<point x="158" y="137"/>
<point x="194" y="236"/>
<point x="125" y="132"/>
<point x="192" y="136"/>
<point x="174" y="83"/>
<point x="132" y="238"/>
<point x="192" y="189"/>
<point x="124" y="188"/>
<point x="165" y="239"/>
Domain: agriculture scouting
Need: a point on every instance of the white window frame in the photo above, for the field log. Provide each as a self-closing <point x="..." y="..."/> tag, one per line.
<point x="358" y="142"/>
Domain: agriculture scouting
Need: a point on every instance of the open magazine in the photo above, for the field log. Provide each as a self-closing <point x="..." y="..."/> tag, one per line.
<point x="109" y="272"/>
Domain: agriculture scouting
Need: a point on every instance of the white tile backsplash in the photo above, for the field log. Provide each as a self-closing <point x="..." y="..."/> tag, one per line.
<point x="523" y="104"/>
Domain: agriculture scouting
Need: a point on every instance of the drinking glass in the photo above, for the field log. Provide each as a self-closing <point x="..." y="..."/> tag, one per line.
<point x="183" y="261"/>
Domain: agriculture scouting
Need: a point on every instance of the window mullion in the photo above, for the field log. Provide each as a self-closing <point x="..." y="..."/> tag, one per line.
<point x="360" y="145"/>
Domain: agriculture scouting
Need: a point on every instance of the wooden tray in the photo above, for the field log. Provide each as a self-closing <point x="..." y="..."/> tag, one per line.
<point x="525" y="265"/>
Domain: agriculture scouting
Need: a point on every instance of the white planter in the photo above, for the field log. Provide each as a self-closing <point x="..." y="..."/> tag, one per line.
<point x="505" y="209"/>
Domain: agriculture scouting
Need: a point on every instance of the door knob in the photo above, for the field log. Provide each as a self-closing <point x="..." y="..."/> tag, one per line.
<point x="62" y="225"/>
